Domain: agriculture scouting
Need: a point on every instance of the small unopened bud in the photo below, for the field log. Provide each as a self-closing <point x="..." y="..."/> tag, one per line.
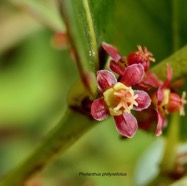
<point x="176" y="103"/>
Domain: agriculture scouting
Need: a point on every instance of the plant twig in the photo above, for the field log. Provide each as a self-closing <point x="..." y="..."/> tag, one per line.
<point x="178" y="62"/>
<point x="69" y="129"/>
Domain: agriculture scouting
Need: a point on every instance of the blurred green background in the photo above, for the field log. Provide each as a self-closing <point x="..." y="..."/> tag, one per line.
<point x="35" y="77"/>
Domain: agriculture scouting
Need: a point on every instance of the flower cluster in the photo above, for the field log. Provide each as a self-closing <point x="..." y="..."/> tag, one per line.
<point x="117" y="96"/>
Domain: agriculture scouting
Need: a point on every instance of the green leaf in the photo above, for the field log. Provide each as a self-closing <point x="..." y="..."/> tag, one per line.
<point x="102" y="12"/>
<point x="80" y="30"/>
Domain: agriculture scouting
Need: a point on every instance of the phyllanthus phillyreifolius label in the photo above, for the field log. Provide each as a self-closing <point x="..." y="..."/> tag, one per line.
<point x="102" y="174"/>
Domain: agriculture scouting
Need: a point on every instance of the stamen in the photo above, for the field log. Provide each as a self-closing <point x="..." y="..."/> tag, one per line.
<point x="183" y="102"/>
<point x="121" y="105"/>
<point x="146" y="54"/>
<point x="120" y="99"/>
<point x="134" y="102"/>
<point x="140" y="48"/>
<point x="127" y="100"/>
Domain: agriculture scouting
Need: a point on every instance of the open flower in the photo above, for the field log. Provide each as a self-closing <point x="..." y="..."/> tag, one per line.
<point x="118" y="99"/>
<point x="118" y="64"/>
<point x="167" y="102"/>
<point x="142" y="56"/>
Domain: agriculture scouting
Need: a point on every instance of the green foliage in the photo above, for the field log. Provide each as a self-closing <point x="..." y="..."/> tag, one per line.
<point x="35" y="79"/>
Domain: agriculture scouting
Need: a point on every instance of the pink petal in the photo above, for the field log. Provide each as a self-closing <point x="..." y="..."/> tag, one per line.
<point x="126" y="124"/>
<point x="105" y="79"/>
<point x="159" y="95"/>
<point x="116" y="67"/>
<point x="169" y="77"/>
<point x="133" y="74"/>
<point x="152" y="80"/>
<point x="99" y="110"/>
<point x="143" y="100"/>
<point x="161" y="123"/>
<point x="112" y="51"/>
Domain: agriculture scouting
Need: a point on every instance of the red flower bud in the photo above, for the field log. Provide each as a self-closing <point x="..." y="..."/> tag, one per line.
<point x="176" y="103"/>
<point x="142" y="56"/>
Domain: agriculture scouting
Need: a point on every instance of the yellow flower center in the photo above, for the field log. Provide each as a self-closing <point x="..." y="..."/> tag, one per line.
<point x="183" y="102"/>
<point x="165" y="101"/>
<point x="163" y="104"/>
<point x="120" y="99"/>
